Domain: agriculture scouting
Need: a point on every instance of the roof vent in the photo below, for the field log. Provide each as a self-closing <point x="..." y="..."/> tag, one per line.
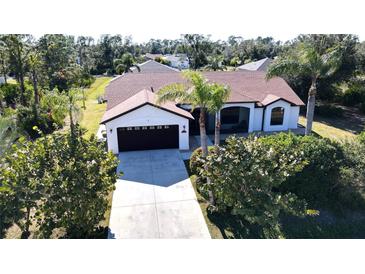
<point x="152" y="89"/>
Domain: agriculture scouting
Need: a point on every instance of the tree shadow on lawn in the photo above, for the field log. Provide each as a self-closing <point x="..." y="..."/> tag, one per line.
<point x="232" y="227"/>
<point x="312" y="228"/>
<point x="352" y="120"/>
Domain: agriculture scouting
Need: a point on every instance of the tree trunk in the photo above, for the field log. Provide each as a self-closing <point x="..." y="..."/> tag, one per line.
<point x="21" y="76"/>
<point x="71" y="116"/>
<point x="26" y="233"/>
<point x="4" y="72"/>
<point x="203" y="141"/>
<point x="22" y="89"/>
<point x="310" y="106"/>
<point x="36" y="94"/>
<point x="35" y="87"/>
<point x="217" y="135"/>
<point x="203" y="133"/>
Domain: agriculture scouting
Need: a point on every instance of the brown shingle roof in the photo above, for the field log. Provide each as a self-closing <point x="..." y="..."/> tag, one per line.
<point x="142" y="98"/>
<point x="246" y="86"/>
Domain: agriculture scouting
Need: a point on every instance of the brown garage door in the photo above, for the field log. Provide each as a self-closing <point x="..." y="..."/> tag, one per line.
<point x="148" y="137"/>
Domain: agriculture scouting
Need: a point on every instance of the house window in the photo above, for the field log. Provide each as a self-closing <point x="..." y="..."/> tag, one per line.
<point x="277" y="116"/>
<point x="230" y="115"/>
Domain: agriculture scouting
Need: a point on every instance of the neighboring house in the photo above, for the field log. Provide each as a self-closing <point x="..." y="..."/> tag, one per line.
<point x="151" y="66"/>
<point x="153" y="56"/>
<point x="179" y="61"/>
<point x="260" y="65"/>
<point x="134" y="121"/>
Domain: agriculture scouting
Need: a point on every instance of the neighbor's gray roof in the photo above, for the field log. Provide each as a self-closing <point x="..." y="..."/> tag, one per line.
<point x="141" y="98"/>
<point x="246" y="86"/>
<point x="153" y="66"/>
<point x="260" y="65"/>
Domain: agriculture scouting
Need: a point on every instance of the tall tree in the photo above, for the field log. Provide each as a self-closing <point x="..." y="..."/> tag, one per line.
<point x="305" y="60"/>
<point x="34" y="70"/>
<point x="126" y="63"/>
<point x="215" y="62"/>
<point x="57" y="52"/>
<point x="84" y="47"/>
<point x="4" y="60"/>
<point x="18" y="46"/>
<point x="197" y="47"/>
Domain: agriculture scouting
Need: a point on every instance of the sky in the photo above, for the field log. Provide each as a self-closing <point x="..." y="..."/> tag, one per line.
<point x="145" y="19"/>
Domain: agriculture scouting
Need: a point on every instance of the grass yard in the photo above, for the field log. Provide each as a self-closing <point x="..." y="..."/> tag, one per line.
<point x="328" y="131"/>
<point x="348" y="126"/>
<point x="91" y="116"/>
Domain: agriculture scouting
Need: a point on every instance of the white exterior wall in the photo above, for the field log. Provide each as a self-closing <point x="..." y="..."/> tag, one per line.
<point x="294" y="116"/>
<point x="291" y="115"/>
<point x="146" y="116"/>
<point x="257" y="122"/>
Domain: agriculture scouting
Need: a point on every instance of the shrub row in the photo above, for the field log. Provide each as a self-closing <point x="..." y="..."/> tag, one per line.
<point x="334" y="174"/>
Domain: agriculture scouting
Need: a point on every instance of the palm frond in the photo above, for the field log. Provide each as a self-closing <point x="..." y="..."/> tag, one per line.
<point x="219" y="95"/>
<point x="174" y="92"/>
<point x="283" y="67"/>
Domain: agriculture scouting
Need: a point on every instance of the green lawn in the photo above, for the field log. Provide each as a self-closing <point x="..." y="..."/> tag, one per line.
<point x="327" y="130"/>
<point x="91" y="116"/>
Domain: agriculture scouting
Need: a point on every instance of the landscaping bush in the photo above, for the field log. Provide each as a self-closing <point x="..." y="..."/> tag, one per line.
<point x="64" y="179"/>
<point x="355" y="94"/>
<point x="351" y="184"/>
<point x="28" y="119"/>
<point x="196" y="161"/>
<point x="361" y="137"/>
<point x="315" y="183"/>
<point x="10" y="93"/>
<point x="244" y="175"/>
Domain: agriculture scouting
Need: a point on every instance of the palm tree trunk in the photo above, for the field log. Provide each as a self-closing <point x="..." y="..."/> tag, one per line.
<point x="203" y="133"/>
<point x="310" y="106"/>
<point x="203" y="141"/>
<point x="217" y="135"/>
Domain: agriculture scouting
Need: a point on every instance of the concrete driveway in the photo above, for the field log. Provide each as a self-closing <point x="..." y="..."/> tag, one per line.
<point x="155" y="199"/>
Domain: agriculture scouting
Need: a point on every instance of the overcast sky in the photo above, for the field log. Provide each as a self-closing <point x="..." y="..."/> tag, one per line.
<point x="145" y="19"/>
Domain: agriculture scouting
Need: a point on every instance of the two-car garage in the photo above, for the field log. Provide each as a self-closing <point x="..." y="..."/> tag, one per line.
<point x="140" y="124"/>
<point x="148" y="137"/>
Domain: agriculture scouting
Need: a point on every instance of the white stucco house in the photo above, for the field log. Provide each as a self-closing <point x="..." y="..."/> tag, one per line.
<point x="179" y="61"/>
<point x="133" y="120"/>
<point x="260" y="65"/>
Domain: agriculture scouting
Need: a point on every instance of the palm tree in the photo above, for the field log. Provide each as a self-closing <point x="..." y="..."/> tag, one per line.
<point x="197" y="93"/>
<point x="34" y="63"/>
<point x="9" y="129"/>
<point x="73" y="108"/>
<point x="126" y="63"/>
<point x="219" y="95"/>
<point x="215" y="62"/>
<point x="306" y="61"/>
